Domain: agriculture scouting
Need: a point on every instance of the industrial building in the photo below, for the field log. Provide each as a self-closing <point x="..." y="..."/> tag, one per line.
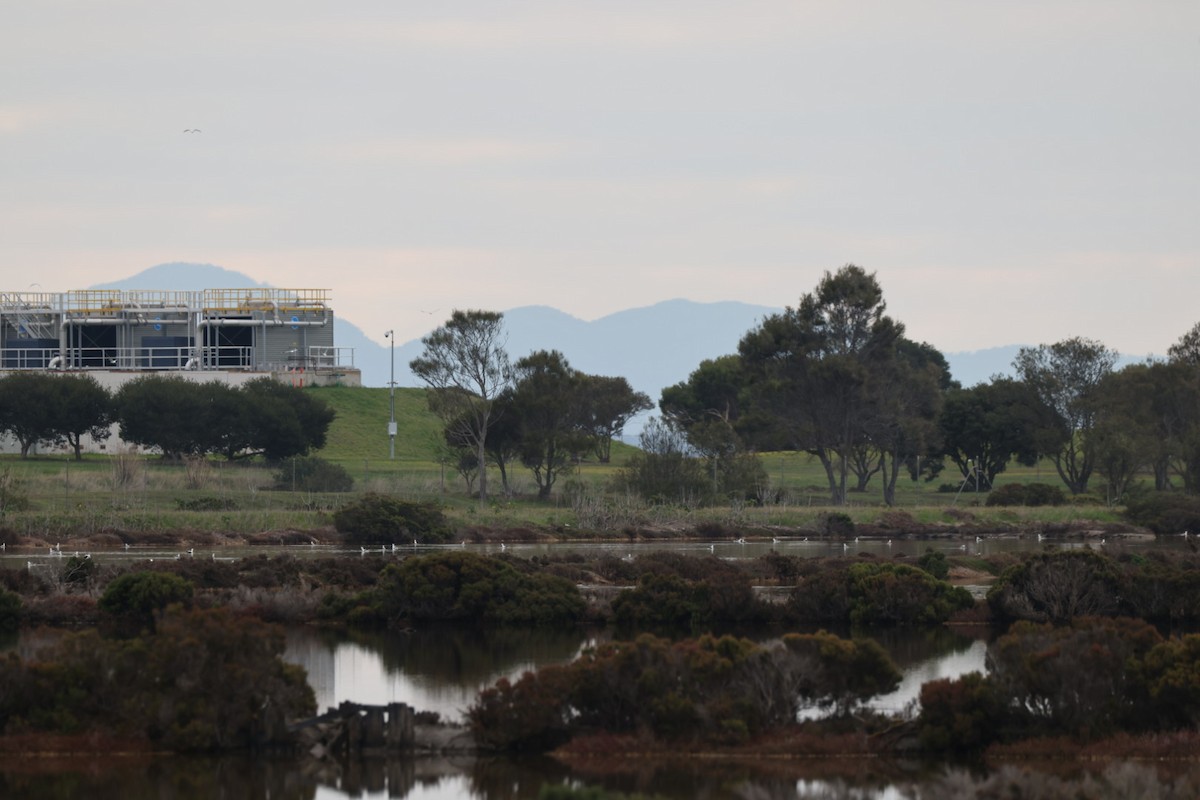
<point x="228" y="335"/>
<point x="261" y="330"/>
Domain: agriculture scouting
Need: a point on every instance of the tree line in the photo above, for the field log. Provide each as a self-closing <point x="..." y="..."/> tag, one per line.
<point x="173" y="415"/>
<point x="539" y="411"/>
<point x="836" y="377"/>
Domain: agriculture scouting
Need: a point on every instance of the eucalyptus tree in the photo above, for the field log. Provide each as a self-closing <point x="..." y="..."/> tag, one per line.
<point x="903" y="427"/>
<point x="610" y="402"/>
<point x="548" y="403"/>
<point x="1187" y="349"/>
<point x="812" y="369"/>
<point x="708" y="409"/>
<point x="1066" y="375"/>
<point x="985" y="427"/>
<point x="466" y="368"/>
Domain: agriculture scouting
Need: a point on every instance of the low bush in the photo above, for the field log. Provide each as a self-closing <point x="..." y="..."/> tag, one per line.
<point x="381" y="519"/>
<point x="717" y="690"/>
<point x="934" y="562"/>
<point x="1026" y="494"/>
<point x="835" y="523"/>
<point x="206" y="680"/>
<point x="135" y="597"/>
<point x="465" y="587"/>
<point x="10" y="610"/>
<point x="876" y="594"/>
<point x="1057" y="587"/>
<point x="1164" y="512"/>
<point x="206" y="503"/>
<point x="313" y="474"/>
<point x="960" y="715"/>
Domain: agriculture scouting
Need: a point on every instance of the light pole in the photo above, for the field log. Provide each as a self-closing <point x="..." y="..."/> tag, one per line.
<point x="391" y="337"/>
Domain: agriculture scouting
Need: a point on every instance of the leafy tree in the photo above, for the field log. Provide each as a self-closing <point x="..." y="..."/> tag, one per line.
<point x="548" y="401"/>
<point x="1066" y="376"/>
<point x="984" y="427"/>
<point x="503" y="442"/>
<point x="907" y="400"/>
<point x="172" y="414"/>
<point x="811" y="369"/>
<point x="286" y="421"/>
<point x="262" y="417"/>
<point x="1187" y="349"/>
<point x="29" y="408"/>
<point x="662" y="471"/>
<point x="83" y="407"/>
<point x="466" y="368"/>
<point x="706" y="408"/>
<point x="610" y="402"/>
<point x="710" y="393"/>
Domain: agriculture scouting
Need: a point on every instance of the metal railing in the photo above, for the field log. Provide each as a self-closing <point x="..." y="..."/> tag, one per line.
<point x="227" y="357"/>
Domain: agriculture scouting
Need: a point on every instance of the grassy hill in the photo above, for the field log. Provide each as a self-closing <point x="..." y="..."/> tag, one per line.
<point x="359" y="431"/>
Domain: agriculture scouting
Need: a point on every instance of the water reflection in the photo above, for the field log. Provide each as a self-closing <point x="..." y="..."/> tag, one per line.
<point x="440" y="669"/>
<point x="444" y="669"/>
<point x="197" y="778"/>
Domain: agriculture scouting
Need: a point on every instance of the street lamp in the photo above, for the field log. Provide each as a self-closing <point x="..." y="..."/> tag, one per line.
<point x="391" y="337"/>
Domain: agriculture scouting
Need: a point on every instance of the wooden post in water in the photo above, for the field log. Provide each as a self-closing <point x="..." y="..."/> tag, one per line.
<point x="373" y="727"/>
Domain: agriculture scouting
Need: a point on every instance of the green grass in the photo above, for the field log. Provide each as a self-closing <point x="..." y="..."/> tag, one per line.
<point x="359" y="431"/>
<point x="64" y="495"/>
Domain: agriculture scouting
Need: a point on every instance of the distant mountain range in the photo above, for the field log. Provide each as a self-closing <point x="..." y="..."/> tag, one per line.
<point x="653" y="347"/>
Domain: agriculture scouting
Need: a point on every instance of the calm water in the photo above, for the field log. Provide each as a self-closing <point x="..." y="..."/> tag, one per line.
<point x="442" y="670"/>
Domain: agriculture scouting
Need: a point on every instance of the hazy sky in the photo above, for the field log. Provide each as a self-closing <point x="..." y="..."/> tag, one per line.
<point x="1012" y="171"/>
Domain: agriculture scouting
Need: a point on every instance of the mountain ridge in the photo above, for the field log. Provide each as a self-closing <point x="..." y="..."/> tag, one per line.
<point x="653" y="346"/>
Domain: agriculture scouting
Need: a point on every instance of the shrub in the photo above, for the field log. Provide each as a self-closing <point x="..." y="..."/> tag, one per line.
<point x="380" y="519"/>
<point x="875" y="593"/>
<point x="835" y="523"/>
<point x="206" y="503"/>
<point x="1057" y="587"/>
<point x="709" y="689"/>
<point x="660" y="602"/>
<point x="207" y="680"/>
<point x="897" y="594"/>
<point x="962" y="715"/>
<point x="465" y="587"/>
<point x="313" y="474"/>
<point x="1074" y="679"/>
<point x="10" y="610"/>
<point x="1171" y="675"/>
<point x="934" y="562"/>
<point x="1026" y="494"/>
<point x="79" y="571"/>
<point x="822" y="597"/>
<point x="136" y="597"/>
<point x="1164" y="512"/>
